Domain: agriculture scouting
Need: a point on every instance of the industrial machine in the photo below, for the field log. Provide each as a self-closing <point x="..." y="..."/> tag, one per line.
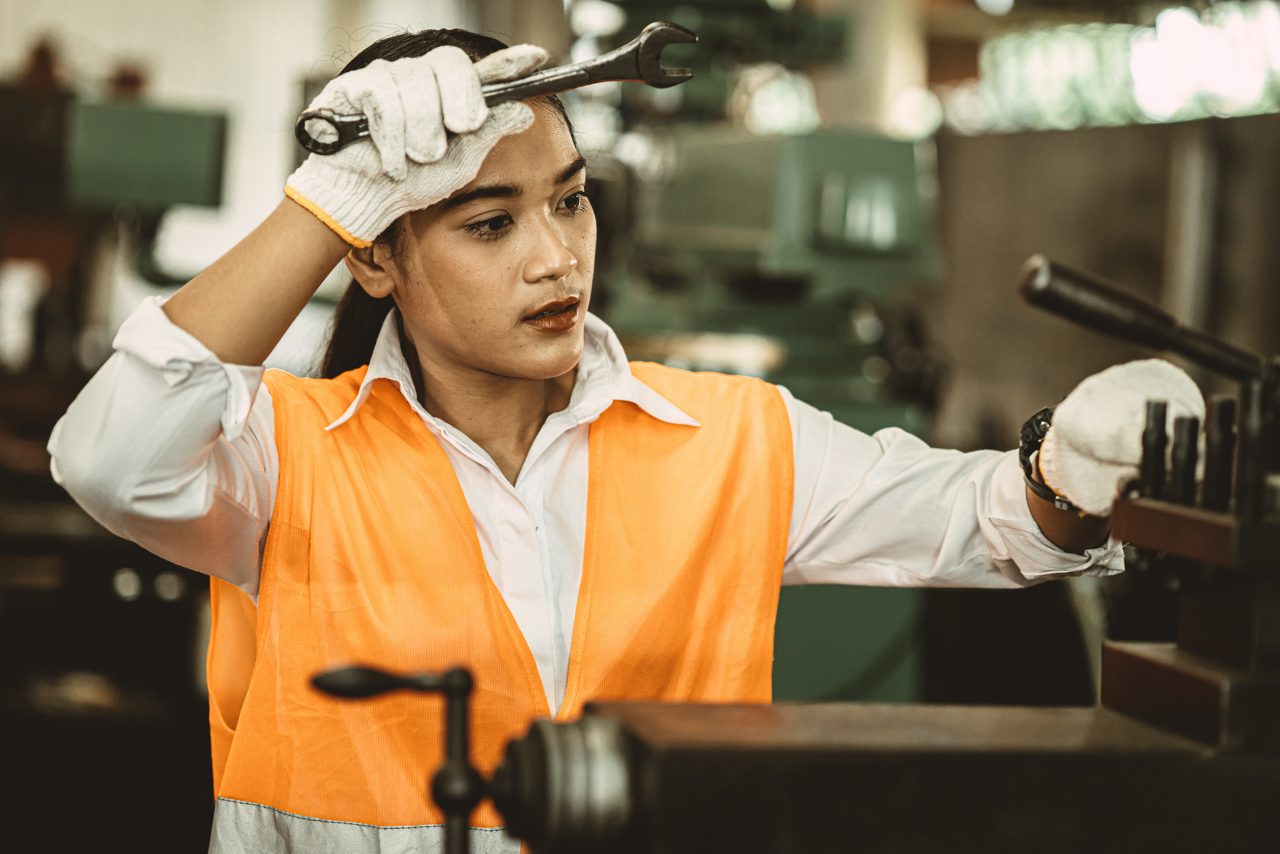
<point x="1220" y="681"/>
<point x="791" y="256"/>
<point x="1182" y="755"/>
<point x="99" y="713"/>
<point x="796" y="258"/>
<point x="75" y="173"/>
<point x="774" y="250"/>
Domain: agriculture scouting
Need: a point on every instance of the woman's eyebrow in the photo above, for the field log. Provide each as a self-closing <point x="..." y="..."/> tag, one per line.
<point x="572" y="169"/>
<point x="489" y="191"/>
<point x="504" y="191"/>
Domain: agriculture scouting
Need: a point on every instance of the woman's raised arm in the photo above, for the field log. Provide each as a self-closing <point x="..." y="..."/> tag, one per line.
<point x="242" y="304"/>
<point x="171" y="443"/>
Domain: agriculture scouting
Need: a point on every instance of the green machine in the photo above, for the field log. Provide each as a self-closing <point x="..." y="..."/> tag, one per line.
<point x="794" y="258"/>
<point x="147" y="157"/>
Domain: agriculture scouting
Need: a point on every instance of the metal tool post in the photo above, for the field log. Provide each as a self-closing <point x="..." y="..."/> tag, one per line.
<point x="1220" y="682"/>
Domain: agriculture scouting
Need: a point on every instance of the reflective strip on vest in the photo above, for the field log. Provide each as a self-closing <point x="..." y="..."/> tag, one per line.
<point x="240" y="827"/>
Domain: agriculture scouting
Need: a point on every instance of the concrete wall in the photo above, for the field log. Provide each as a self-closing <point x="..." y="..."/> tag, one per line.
<point x="1100" y="200"/>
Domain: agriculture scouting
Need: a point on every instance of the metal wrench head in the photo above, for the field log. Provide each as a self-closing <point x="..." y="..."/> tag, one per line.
<point x="648" y="53"/>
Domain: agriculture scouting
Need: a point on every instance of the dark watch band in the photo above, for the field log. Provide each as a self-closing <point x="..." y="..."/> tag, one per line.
<point x="1029" y="441"/>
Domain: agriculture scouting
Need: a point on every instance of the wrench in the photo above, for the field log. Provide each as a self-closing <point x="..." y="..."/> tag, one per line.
<point x="639" y="60"/>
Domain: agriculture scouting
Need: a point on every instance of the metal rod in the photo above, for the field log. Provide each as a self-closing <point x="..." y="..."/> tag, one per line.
<point x="1103" y="307"/>
<point x="1251" y="471"/>
<point x="457" y="835"/>
<point x="1186" y="435"/>
<point x="457" y="787"/>
<point x="1219" y="447"/>
<point x="1272" y="406"/>
<point x="1154" y="442"/>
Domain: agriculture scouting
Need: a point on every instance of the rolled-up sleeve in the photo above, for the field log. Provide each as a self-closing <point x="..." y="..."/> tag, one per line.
<point x="888" y="510"/>
<point x="173" y="449"/>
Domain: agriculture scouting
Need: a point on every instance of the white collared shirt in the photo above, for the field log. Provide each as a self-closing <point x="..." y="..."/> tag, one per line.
<point x="175" y="450"/>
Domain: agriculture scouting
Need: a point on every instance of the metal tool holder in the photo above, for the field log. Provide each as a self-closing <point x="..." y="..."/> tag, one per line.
<point x="1220" y="681"/>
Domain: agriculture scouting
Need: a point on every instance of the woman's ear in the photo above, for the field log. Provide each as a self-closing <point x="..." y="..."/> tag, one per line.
<point x="373" y="268"/>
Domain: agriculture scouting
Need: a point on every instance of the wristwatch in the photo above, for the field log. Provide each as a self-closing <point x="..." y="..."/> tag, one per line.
<point x="1029" y="441"/>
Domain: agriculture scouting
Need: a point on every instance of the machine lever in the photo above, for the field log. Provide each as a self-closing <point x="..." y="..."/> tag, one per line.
<point x="1102" y="307"/>
<point x="457" y="786"/>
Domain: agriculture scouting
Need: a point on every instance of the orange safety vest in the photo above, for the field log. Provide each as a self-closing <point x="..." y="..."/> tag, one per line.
<point x="372" y="557"/>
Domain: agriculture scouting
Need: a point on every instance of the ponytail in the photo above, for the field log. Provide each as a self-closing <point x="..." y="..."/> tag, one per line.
<point x="356" y="323"/>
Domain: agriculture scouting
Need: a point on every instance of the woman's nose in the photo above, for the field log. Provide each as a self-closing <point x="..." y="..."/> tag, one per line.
<point x="550" y="256"/>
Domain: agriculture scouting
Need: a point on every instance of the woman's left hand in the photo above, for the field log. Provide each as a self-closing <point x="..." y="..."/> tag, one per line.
<point x="1095" y="444"/>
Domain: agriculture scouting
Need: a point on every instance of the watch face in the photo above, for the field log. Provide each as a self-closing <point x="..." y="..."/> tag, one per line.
<point x="1030" y="437"/>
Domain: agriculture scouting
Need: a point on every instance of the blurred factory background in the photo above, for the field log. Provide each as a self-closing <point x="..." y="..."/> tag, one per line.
<point x="840" y="201"/>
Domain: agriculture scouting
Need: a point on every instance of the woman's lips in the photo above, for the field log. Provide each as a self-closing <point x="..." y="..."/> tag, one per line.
<point x="560" y="320"/>
<point x="551" y="307"/>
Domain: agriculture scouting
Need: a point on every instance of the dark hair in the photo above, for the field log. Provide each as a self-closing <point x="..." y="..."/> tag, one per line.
<point x="359" y="317"/>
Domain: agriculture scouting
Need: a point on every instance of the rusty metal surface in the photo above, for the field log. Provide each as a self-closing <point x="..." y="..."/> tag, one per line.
<point x="1217" y="539"/>
<point x="858" y="727"/>
<point x="1187" y="532"/>
<point x="916" y="779"/>
<point x="1216" y="616"/>
<point x="1167" y="686"/>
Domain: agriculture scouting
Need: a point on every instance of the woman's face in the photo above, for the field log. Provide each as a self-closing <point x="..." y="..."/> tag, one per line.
<point x="477" y="270"/>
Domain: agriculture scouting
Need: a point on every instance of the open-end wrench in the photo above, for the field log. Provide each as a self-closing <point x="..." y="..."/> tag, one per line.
<point x="639" y="60"/>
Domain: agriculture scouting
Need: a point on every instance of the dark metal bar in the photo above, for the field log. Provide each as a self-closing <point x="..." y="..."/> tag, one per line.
<point x="1186" y="435"/>
<point x="1266" y="624"/>
<point x="1219" y="446"/>
<point x="1251" y="472"/>
<point x="1154" y="442"/>
<point x="1103" y="307"/>
<point x="457" y="787"/>
<point x="836" y="774"/>
<point x="457" y="839"/>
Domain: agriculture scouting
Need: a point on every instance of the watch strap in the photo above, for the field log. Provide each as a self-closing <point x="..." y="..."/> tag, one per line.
<point x="1030" y="439"/>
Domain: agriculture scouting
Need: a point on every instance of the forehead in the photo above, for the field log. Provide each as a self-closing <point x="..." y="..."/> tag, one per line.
<point x="534" y="156"/>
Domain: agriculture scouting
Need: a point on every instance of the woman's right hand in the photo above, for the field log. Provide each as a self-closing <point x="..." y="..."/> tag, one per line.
<point x="408" y="162"/>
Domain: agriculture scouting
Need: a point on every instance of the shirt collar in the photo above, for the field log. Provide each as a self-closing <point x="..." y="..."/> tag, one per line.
<point x="604" y="376"/>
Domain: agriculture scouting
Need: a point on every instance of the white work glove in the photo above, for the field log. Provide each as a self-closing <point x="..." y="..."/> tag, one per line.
<point x="1094" y="446"/>
<point x="407" y="162"/>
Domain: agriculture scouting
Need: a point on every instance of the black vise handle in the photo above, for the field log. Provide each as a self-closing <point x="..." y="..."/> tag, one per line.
<point x="1103" y="307"/>
<point x="457" y="787"/>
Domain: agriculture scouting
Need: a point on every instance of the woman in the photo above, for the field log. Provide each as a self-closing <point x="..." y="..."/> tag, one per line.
<point x="481" y="477"/>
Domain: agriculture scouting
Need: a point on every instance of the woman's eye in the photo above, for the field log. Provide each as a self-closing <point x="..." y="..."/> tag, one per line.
<point x="575" y="202"/>
<point x="488" y="229"/>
